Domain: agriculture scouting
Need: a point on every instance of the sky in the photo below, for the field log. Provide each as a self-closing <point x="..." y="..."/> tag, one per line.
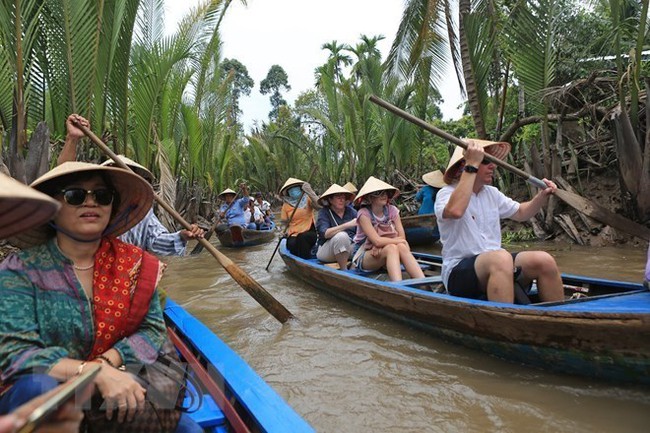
<point x="290" y="33"/>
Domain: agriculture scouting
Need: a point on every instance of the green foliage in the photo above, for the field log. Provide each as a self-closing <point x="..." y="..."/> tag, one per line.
<point x="522" y="235"/>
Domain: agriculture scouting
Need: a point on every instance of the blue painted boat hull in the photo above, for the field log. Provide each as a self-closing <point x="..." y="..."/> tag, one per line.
<point x="605" y="336"/>
<point x="256" y="402"/>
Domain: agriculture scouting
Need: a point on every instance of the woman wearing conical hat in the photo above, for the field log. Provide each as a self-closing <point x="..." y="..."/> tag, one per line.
<point x="468" y="212"/>
<point x="380" y="240"/>
<point x="78" y="295"/>
<point x="299" y="196"/>
<point x="149" y="234"/>
<point x="336" y="226"/>
<point x="426" y="195"/>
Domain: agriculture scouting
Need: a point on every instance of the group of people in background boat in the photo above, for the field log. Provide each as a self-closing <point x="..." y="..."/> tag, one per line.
<point x="245" y="212"/>
<point x="372" y="236"/>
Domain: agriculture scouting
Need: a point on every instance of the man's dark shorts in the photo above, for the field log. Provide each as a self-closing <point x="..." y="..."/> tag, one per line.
<point x="463" y="280"/>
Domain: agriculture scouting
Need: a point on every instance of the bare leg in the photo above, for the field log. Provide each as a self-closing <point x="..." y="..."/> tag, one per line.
<point x="541" y="266"/>
<point x="388" y="256"/>
<point x="342" y="259"/>
<point x="494" y="270"/>
<point x="409" y="262"/>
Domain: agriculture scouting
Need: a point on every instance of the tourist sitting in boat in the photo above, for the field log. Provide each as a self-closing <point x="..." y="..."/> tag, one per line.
<point x="257" y="217"/>
<point x="297" y="211"/>
<point x="79" y="295"/>
<point x="469" y="211"/>
<point x="380" y="240"/>
<point x="427" y="195"/>
<point x="336" y="226"/>
<point x="233" y="209"/>
<point x="149" y="234"/>
<point x="264" y="207"/>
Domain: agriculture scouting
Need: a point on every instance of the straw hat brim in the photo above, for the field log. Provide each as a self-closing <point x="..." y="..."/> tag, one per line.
<point x="136" y="198"/>
<point x="498" y="149"/>
<point x="22" y="207"/>
<point x="434" y="179"/>
<point x="333" y="190"/>
<point x="137" y="168"/>
<point x="289" y="183"/>
<point x="373" y="185"/>
<point x="227" y="191"/>
<point x="351" y="187"/>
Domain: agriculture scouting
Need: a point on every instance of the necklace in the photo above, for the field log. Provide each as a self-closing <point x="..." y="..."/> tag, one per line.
<point x="85" y="268"/>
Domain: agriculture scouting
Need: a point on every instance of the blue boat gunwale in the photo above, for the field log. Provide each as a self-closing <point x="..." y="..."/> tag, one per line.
<point x="537" y="309"/>
<point x="269" y="410"/>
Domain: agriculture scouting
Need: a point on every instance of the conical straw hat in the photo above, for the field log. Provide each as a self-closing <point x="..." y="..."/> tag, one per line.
<point x="434" y="179"/>
<point x="373" y="185"/>
<point x="351" y="187"/>
<point x="137" y="168"/>
<point x="498" y="149"/>
<point x="334" y="189"/>
<point x="289" y="183"/>
<point x="22" y="207"/>
<point x="227" y="191"/>
<point x="135" y="199"/>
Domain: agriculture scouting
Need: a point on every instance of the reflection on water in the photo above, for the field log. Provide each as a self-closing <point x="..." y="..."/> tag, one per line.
<point x="345" y="369"/>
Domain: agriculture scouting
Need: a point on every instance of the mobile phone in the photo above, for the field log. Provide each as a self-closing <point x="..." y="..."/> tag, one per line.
<point x="68" y="391"/>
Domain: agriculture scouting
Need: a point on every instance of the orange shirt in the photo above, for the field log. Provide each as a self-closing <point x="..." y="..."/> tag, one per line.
<point x="302" y="219"/>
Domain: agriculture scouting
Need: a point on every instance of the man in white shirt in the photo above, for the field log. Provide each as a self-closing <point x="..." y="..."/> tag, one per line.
<point x="469" y="211"/>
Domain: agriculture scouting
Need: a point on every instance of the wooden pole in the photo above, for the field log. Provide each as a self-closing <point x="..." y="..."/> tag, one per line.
<point x="246" y="282"/>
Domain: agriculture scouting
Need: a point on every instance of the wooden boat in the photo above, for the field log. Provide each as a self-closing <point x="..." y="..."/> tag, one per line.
<point x="420" y="229"/>
<point x="237" y="237"/>
<point x="235" y="398"/>
<point x="601" y="330"/>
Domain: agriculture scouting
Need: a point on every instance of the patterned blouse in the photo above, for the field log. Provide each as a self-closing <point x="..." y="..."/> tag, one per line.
<point x="45" y="316"/>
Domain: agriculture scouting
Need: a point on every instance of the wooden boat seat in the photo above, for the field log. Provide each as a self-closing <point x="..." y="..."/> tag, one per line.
<point x="209" y="416"/>
<point x="436" y="279"/>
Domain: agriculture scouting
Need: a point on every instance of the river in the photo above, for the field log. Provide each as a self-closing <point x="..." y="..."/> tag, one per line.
<point x="345" y="369"/>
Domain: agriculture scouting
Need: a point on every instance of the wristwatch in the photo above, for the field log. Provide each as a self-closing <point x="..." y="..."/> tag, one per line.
<point x="471" y="169"/>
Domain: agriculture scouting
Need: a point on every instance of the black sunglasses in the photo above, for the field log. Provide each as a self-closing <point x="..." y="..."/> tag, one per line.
<point x="77" y="196"/>
<point x="485" y="161"/>
<point x="378" y="193"/>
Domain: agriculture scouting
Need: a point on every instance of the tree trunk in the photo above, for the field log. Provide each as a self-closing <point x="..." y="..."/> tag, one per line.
<point x="38" y="158"/>
<point x="628" y="151"/>
<point x="643" y="199"/>
<point x="464" y="8"/>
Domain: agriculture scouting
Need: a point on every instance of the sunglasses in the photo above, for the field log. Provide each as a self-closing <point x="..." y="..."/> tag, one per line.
<point x="77" y="196"/>
<point x="378" y="193"/>
<point x="485" y="161"/>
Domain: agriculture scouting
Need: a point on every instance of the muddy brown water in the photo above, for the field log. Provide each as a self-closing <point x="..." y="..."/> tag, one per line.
<point x="345" y="369"/>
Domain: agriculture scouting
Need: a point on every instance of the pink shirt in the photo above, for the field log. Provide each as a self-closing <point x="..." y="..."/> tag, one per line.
<point x="393" y="214"/>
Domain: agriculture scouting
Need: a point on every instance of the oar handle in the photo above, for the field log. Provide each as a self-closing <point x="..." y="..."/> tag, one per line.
<point x="457" y="141"/>
<point x="246" y="282"/>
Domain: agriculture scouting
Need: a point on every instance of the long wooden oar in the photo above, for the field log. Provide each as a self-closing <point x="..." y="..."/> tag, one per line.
<point x="286" y="229"/>
<point x="576" y="201"/>
<point x="246" y="282"/>
<point x="199" y="247"/>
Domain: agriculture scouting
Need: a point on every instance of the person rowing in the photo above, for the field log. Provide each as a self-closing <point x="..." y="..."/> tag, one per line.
<point x="469" y="212"/>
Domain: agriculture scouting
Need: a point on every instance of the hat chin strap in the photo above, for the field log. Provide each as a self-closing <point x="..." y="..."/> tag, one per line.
<point x="116" y="221"/>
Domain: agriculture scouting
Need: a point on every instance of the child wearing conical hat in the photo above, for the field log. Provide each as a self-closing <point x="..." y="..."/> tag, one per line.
<point x="380" y="240"/>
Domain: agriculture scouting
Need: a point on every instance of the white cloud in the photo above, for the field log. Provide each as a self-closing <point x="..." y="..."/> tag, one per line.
<point x="290" y="33"/>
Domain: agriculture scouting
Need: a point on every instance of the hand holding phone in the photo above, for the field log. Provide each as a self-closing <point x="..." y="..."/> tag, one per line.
<point x="66" y="400"/>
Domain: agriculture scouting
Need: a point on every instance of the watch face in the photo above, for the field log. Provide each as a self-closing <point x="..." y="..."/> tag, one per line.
<point x="471" y="169"/>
